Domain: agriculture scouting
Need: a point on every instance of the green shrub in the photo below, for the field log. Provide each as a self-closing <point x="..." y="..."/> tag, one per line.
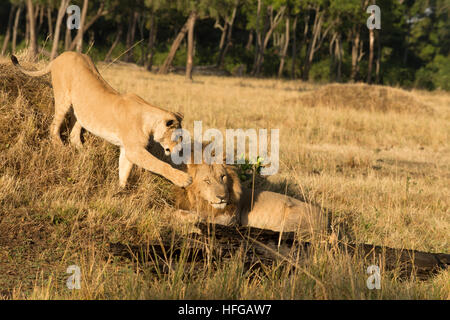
<point x="435" y="75"/>
<point x="320" y="71"/>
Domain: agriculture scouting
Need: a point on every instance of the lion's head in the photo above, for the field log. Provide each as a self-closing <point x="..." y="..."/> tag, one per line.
<point x="164" y="131"/>
<point x="214" y="193"/>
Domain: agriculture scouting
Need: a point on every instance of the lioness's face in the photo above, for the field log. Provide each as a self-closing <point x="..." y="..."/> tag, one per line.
<point x="211" y="183"/>
<point x="163" y="134"/>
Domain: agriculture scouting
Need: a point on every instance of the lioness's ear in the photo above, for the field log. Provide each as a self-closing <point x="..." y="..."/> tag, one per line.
<point x="179" y="116"/>
<point x="234" y="183"/>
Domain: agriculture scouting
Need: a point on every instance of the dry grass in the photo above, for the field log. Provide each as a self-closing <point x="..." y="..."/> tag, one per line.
<point x="382" y="170"/>
<point x="362" y="96"/>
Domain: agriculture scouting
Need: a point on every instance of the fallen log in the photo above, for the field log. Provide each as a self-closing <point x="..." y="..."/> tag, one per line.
<point x="265" y="247"/>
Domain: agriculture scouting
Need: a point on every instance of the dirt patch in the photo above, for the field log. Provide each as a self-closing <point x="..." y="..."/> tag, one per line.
<point x="362" y="96"/>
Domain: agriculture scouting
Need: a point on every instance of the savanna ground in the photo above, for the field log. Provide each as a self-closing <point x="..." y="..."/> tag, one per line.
<point x="378" y="158"/>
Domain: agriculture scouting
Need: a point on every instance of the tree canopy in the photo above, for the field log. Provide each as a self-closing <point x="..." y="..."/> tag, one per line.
<point x="323" y="40"/>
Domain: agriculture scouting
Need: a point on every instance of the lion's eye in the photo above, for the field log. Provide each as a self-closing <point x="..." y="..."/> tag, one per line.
<point x="223" y="177"/>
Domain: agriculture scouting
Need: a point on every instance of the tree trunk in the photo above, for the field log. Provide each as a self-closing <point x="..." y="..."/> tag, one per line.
<point x="332" y="48"/>
<point x="338" y="55"/>
<point x="378" y="61"/>
<point x="317" y="26"/>
<point x="225" y="40"/>
<point x="70" y="45"/>
<point x="303" y="42"/>
<point x="131" y="33"/>
<point x="15" y="29"/>
<point x="229" y="28"/>
<point x="355" y="54"/>
<point x="227" y="46"/>
<point x="8" y="30"/>
<point x="294" y="47"/>
<point x="115" y="42"/>
<point x="176" y="43"/>
<point x="223" y="35"/>
<point x="369" y="68"/>
<point x="268" y="31"/>
<point x="190" y="50"/>
<point x="50" y="24"/>
<point x="59" y="19"/>
<point x="273" y="24"/>
<point x="144" y="49"/>
<point x="250" y="40"/>
<point x="258" y="40"/>
<point x="305" y="39"/>
<point x="261" y="45"/>
<point x="285" y="48"/>
<point x="68" y="40"/>
<point x="32" y="50"/>
<point x="406" y="43"/>
<point x="148" y="63"/>
<point x="79" y="37"/>
<point x="128" y="37"/>
<point x="357" y="49"/>
<point x="27" y="28"/>
<point x="41" y="18"/>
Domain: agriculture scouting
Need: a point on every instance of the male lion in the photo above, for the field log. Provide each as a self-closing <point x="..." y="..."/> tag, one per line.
<point x="216" y="195"/>
<point x="125" y="120"/>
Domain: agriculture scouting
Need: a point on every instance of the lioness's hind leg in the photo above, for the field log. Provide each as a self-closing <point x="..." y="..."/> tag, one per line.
<point x="62" y="106"/>
<point x="75" y="135"/>
<point x="125" y="166"/>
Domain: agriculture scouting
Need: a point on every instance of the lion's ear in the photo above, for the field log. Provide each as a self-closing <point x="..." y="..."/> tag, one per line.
<point x="192" y="169"/>
<point x="234" y="183"/>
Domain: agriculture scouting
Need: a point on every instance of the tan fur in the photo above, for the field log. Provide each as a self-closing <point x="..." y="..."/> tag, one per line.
<point x="125" y="120"/>
<point x="270" y="210"/>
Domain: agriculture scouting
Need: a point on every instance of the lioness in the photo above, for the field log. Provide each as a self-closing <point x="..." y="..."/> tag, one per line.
<point x="216" y="194"/>
<point x="125" y="120"/>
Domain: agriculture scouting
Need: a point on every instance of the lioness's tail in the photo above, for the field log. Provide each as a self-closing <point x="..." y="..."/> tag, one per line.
<point x="38" y="73"/>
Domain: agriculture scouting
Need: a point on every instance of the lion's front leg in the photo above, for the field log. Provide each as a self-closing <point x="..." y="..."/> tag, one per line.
<point x="187" y="216"/>
<point x="189" y="220"/>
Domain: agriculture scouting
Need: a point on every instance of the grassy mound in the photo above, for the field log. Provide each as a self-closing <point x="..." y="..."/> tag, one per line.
<point x="362" y="96"/>
<point x="37" y="92"/>
<point x="26" y="106"/>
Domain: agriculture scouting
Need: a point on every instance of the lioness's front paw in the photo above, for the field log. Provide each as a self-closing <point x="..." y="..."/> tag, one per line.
<point x="184" y="180"/>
